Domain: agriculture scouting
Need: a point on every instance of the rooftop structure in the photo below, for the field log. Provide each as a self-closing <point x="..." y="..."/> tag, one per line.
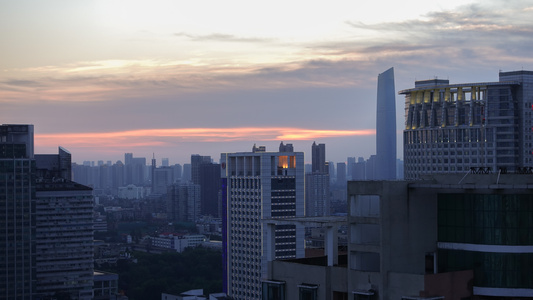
<point x="453" y="128"/>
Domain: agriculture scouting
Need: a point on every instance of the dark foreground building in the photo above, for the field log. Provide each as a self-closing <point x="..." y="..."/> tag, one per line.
<point x="443" y="237"/>
<point x="46" y="241"/>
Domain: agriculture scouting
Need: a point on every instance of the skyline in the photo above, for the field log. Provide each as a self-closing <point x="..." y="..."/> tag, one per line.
<point x="133" y="77"/>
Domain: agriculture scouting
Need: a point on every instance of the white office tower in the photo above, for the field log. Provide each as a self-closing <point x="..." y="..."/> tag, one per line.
<point x="259" y="186"/>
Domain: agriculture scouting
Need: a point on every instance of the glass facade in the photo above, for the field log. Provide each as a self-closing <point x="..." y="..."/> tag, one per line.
<point x="487" y="219"/>
<point x="496" y="270"/>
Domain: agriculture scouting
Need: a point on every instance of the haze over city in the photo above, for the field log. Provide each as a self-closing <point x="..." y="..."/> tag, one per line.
<point x="102" y="78"/>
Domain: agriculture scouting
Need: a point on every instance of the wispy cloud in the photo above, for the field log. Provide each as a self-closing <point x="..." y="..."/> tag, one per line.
<point x="221" y="37"/>
<point x="483" y="35"/>
<point x="158" y="137"/>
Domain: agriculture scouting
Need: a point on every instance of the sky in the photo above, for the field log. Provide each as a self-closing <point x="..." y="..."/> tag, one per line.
<point x="174" y="78"/>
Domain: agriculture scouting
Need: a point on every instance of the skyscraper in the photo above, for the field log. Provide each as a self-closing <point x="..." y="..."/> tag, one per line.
<point x="341" y="174"/>
<point x="480" y="127"/>
<point x="385" y="167"/>
<point x="63" y="234"/>
<point x="209" y="178"/>
<point x="47" y="236"/>
<point x="317" y="183"/>
<point x="196" y="161"/>
<point x="17" y="200"/>
<point x="318" y="156"/>
<point x="260" y="185"/>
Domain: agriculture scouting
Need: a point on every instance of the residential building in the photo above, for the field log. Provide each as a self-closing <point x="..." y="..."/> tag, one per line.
<point x="317" y="200"/>
<point x="259" y="185"/>
<point x="209" y="180"/>
<point x="186" y="175"/>
<point x="162" y="178"/>
<point x="64" y="238"/>
<point x="453" y="128"/>
<point x="341" y="174"/>
<point x="183" y="202"/>
<point x="350" y="163"/>
<point x="196" y="161"/>
<point x="317" y="183"/>
<point x="132" y="192"/>
<point x="318" y="156"/>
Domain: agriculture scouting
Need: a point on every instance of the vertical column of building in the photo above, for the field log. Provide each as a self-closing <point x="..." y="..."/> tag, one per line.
<point x="317" y="183"/>
<point x="17" y="196"/>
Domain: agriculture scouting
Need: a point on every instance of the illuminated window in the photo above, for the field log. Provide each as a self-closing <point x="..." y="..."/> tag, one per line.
<point x="283" y="162"/>
<point x="286" y="162"/>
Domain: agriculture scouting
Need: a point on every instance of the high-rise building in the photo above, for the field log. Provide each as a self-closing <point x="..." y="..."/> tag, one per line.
<point x="164" y="162"/>
<point x="456" y="128"/>
<point x="350" y="164"/>
<point x="209" y="180"/>
<point x="196" y="161"/>
<point x="284" y="147"/>
<point x="186" y="176"/>
<point x="317" y="202"/>
<point x="178" y="171"/>
<point x="259" y="185"/>
<point x="47" y="235"/>
<point x="183" y="202"/>
<point x="332" y="172"/>
<point x="162" y="178"/>
<point x="341" y="174"/>
<point x="385" y="167"/>
<point x="318" y="156"/>
<point x="64" y="258"/>
<point x="57" y="164"/>
<point x="134" y="169"/>
<point x="17" y="201"/>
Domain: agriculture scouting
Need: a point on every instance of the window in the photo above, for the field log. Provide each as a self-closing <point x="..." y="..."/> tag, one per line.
<point x="273" y="290"/>
<point x="308" y="291"/>
<point x="363" y="294"/>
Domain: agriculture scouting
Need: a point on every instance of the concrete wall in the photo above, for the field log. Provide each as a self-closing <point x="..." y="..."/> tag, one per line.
<point x="328" y="279"/>
<point x="451" y="285"/>
<point x="408" y="231"/>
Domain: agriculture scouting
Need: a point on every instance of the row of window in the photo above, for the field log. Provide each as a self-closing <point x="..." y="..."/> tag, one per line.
<point x="496" y="270"/>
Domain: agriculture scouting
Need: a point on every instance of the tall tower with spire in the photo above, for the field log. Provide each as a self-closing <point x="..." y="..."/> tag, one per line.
<point x="385" y="168"/>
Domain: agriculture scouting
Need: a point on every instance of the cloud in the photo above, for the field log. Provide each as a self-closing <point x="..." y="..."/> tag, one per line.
<point x="221" y="37"/>
<point x="131" y="139"/>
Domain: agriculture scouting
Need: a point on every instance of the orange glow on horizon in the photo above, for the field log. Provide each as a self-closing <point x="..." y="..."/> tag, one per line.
<point x="168" y="136"/>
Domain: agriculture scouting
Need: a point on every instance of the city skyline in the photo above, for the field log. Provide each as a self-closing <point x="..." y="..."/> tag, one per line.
<point x="103" y="78"/>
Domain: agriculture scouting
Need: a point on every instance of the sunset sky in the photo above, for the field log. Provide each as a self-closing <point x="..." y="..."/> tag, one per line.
<point x="174" y="78"/>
